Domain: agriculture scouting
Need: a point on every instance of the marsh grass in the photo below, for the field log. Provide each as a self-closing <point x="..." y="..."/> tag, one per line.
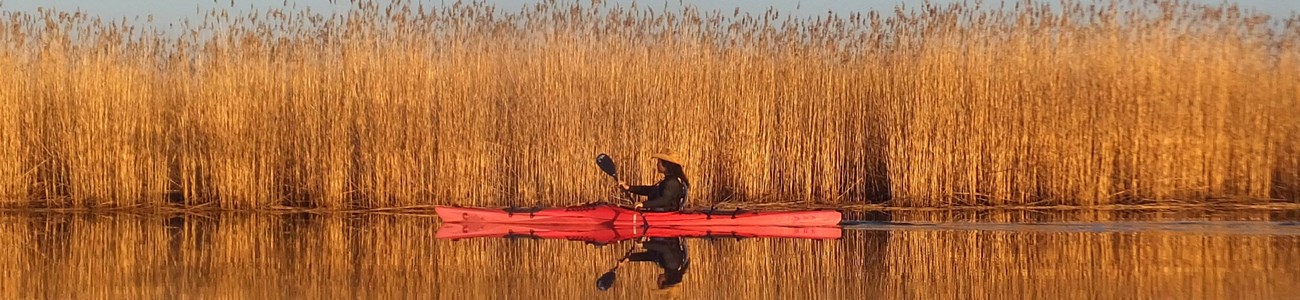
<point x="399" y="105"/>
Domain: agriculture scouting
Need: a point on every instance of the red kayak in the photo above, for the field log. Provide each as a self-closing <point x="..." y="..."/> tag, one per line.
<point x="600" y="234"/>
<point x="611" y="215"/>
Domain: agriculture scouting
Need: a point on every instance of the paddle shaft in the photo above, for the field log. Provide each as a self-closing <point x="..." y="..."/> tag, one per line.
<point x="635" y="208"/>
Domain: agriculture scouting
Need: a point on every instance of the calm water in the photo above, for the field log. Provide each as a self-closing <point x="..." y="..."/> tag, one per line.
<point x="1182" y="255"/>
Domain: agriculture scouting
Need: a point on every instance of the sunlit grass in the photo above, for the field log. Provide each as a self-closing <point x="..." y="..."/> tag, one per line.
<point x="390" y="106"/>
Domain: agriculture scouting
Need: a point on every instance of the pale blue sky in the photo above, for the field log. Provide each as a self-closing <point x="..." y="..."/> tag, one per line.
<point x="167" y="11"/>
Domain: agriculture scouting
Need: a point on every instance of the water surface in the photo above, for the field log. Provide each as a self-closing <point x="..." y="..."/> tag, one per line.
<point x="969" y="255"/>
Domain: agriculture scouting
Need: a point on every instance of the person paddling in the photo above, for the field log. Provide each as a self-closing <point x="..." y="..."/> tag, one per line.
<point x="670" y="193"/>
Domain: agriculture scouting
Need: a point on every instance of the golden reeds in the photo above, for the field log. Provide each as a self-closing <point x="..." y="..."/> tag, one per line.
<point x="399" y="105"/>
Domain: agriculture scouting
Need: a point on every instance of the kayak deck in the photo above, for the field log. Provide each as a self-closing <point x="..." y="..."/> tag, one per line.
<point x="611" y="215"/>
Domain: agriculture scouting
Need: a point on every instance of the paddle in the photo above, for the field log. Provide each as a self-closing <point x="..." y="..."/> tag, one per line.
<point x="607" y="165"/>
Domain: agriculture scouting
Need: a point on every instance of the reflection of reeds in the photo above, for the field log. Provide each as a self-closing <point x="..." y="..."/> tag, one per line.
<point x="385" y="106"/>
<point x="374" y="256"/>
<point x="991" y="265"/>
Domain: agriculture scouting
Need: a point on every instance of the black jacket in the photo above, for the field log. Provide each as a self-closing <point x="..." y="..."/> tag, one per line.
<point x="668" y="195"/>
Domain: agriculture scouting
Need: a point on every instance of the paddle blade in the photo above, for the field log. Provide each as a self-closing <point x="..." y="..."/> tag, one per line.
<point x="607" y="164"/>
<point x="605" y="281"/>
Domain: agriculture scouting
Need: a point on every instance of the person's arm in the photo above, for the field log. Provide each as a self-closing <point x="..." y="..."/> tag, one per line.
<point x="643" y="190"/>
<point x="667" y="246"/>
<point x="642" y="256"/>
<point x="672" y="192"/>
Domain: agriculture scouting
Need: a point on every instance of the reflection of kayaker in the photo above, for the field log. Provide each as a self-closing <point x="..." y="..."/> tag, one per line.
<point x="668" y="253"/>
<point x="670" y="193"/>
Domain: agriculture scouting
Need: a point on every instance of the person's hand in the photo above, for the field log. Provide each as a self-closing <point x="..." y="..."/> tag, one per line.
<point x="623" y="185"/>
<point x="638" y="205"/>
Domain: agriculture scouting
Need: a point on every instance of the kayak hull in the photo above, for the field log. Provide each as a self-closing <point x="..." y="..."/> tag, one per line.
<point x="598" y="234"/>
<point x="610" y="215"/>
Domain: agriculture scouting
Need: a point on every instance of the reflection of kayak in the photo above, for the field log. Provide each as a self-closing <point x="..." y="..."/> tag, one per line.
<point x="611" y="215"/>
<point x="601" y="234"/>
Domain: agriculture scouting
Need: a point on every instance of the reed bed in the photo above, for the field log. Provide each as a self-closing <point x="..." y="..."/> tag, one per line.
<point x="374" y="256"/>
<point x="396" y="105"/>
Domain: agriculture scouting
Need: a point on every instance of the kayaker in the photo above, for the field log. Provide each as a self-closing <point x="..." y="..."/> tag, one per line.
<point x="670" y="193"/>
